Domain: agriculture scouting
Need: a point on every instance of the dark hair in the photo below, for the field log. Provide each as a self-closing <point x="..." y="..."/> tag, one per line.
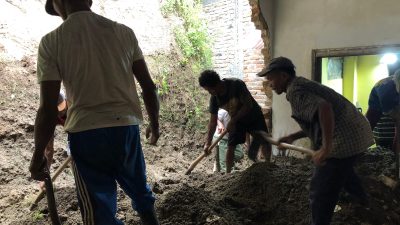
<point x="209" y="78"/>
<point x="392" y="68"/>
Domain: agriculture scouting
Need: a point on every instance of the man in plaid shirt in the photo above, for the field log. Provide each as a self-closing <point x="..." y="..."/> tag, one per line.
<point x="339" y="133"/>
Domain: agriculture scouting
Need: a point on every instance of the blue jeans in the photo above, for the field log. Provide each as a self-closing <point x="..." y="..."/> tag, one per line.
<point x="103" y="157"/>
<point x="326" y="184"/>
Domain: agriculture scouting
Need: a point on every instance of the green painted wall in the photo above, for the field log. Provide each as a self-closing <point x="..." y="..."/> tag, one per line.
<point x="360" y="73"/>
<point x="366" y="70"/>
<point x="324" y="71"/>
<point x="349" y="67"/>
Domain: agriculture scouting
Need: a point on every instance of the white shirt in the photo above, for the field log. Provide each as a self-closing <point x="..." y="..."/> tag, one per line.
<point x="224" y="118"/>
<point x="93" y="57"/>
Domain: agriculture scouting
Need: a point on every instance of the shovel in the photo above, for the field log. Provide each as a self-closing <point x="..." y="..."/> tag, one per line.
<point x="267" y="138"/>
<point x="40" y="195"/>
<point x="198" y="159"/>
<point x="51" y="201"/>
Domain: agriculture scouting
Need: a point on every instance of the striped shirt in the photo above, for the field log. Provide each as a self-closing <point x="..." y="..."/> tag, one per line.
<point x="385" y="129"/>
<point x="352" y="132"/>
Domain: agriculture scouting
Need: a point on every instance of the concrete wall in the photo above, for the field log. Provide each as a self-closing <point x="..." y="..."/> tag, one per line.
<point x="300" y="26"/>
<point x="23" y="23"/>
<point x="144" y="17"/>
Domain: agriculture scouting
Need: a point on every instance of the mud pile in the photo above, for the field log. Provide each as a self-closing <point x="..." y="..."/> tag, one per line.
<point x="273" y="193"/>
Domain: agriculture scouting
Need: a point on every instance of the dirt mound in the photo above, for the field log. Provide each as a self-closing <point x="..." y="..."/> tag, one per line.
<point x="268" y="193"/>
<point x="264" y="193"/>
<point x="377" y="161"/>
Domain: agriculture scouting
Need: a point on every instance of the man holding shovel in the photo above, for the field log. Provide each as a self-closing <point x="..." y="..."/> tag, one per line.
<point x="339" y="133"/>
<point x="246" y="115"/>
<point x="99" y="62"/>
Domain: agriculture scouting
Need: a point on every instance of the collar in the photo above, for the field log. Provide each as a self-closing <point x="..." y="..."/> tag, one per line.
<point x="77" y="13"/>
<point x="290" y="86"/>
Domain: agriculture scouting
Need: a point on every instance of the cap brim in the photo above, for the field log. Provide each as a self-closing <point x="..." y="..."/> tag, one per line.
<point x="264" y="72"/>
<point x="50" y="9"/>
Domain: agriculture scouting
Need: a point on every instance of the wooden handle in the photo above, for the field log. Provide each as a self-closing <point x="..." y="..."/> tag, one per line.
<point x="265" y="136"/>
<point x="51" y="201"/>
<point x="40" y="195"/>
<point x="198" y="159"/>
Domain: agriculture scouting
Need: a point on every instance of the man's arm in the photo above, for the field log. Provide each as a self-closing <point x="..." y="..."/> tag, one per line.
<point x="220" y="126"/>
<point x="327" y="123"/>
<point x="150" y="98"/>
<point x="45" y="123"/>
<point x="373" y="117"/>
<point x="289" y="139"/>
<point x="292" y="137"/>
<point x="374" y="111"/>
<point x="212" y="125"/>
<point x="243" y="111"/>
<point x="247" y="104"/>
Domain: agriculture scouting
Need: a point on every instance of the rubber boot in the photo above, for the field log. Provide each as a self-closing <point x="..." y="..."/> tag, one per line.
<point x="149" y="218"/>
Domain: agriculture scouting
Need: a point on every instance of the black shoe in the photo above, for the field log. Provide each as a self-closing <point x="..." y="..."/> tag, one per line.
<point x="352" y="199"/>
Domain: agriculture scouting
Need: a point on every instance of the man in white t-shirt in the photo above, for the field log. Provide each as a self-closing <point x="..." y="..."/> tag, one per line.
<point x="97" y="60"/>
<point x="222" y="147"/>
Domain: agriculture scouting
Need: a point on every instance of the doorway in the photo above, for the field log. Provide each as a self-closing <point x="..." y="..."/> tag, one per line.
<point x="352" y="72"/>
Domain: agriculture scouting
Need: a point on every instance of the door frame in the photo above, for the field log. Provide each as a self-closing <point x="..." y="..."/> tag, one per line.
<point x="318" y="54"/>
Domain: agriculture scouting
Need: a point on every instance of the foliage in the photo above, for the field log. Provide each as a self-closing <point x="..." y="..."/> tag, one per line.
<point x="183" y="102"/>
<point x="191" y="36"/>
<point x="37" y="215"/>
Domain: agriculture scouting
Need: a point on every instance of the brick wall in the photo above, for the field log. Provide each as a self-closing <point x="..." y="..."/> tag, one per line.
<point x="240" y="45"/>
<point x="223" y="22"/>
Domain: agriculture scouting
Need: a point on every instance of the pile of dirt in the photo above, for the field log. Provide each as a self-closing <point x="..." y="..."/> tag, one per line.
<point x="269" y="193"/>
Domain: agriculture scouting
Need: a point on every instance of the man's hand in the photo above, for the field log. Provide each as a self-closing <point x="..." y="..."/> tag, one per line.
<point x="207" y="149"/>
<point x="152" y="134"/>
<point x="220" y="129"/>
<point x="287" y="139"/>
<point x="319" y="157"/>
<point x="38" y="168"/>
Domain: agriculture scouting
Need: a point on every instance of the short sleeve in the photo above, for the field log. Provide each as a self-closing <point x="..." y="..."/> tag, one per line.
<point x="47" y="68"/>
<point x="137" y="52"/>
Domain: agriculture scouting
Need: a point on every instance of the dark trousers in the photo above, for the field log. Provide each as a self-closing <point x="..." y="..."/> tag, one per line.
<point x="326" y="184"/>
<point x="103" y="157"/>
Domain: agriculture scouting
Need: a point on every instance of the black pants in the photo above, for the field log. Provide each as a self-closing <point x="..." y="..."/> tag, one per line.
<point x="326" y="184"/>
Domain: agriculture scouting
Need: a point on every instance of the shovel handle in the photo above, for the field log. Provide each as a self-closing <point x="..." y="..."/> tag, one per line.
<point x="265" y="136"/>
<point x="40" y="195"/>
<point x="51" y="201"/>
<point x="198" y="159"/>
